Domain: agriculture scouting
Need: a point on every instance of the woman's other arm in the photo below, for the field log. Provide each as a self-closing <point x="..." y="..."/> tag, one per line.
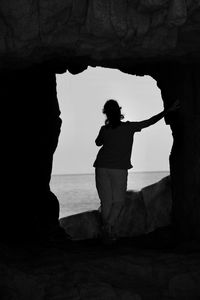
<point x="99" y="139"/>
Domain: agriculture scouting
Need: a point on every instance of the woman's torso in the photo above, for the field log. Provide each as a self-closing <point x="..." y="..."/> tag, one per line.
<point x="117" y="147"/>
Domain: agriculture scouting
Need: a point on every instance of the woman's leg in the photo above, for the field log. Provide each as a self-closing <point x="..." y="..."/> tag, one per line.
<point x="104" y="189"/>
<point x="119" y="187"/>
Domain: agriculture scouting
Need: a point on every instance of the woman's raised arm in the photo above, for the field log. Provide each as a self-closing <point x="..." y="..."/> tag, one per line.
<point x="146" y="123"/>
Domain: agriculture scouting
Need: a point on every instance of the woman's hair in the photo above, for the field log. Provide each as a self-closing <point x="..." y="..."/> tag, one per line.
<point x="112" y="110"/>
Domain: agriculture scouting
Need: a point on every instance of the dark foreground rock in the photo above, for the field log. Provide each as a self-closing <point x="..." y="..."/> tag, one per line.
<point x="131" y="269"/>
<point x="142" y="212"/>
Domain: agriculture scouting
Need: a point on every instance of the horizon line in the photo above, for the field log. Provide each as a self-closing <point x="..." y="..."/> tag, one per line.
<point x="92" y="173"/>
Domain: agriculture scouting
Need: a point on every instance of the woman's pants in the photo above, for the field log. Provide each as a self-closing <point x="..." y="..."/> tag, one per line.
<point x="111" y="186"/>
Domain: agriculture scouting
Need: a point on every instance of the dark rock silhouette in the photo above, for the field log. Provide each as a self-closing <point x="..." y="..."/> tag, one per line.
<point x="143" y="212"/>
<point x="31" y="126"/>
<point x="184" y="157"/>
<point x="89" y="270"/>
<point x="69" y="32"/>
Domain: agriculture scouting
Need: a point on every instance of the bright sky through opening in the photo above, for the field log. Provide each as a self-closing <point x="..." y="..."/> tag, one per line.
<point x="81" y="99"/>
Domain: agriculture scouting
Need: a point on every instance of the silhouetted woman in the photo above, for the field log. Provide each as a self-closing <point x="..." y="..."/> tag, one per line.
<point x="114" y="159"/>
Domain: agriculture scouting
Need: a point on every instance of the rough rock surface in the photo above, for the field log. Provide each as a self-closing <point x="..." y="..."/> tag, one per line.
<point x="157" y="199"/>
<point x="98" y="30"/>
<point x="142" y="212"/>
<point x="79" y="271"/>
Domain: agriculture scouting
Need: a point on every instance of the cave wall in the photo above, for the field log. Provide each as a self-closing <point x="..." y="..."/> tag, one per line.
<point x="183" y="82"/>
<point x="185" y="156"/>
<point x="98" y="31"/>
<point x="30" y="128"/>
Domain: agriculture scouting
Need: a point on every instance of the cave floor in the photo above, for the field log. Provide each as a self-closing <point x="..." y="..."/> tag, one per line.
<point x="141" y="268"/>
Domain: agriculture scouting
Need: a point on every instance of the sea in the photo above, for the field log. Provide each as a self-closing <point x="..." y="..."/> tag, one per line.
<point x="77" y="193"/>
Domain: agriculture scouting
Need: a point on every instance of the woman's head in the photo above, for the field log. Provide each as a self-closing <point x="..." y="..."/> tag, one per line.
<point x="112" y="110"/>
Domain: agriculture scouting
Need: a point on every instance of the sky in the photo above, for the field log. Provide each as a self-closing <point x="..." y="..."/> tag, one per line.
<point x="81" y="98"/>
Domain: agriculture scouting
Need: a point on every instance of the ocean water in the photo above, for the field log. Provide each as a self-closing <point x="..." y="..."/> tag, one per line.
<point x="77" y="193"/>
